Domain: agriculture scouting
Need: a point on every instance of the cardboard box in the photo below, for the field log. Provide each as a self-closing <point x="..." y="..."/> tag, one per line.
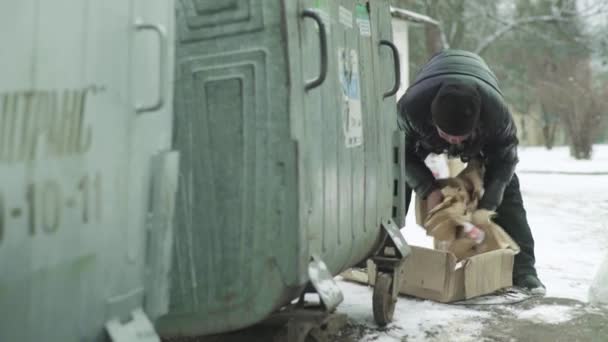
<point x="436" y="275"/>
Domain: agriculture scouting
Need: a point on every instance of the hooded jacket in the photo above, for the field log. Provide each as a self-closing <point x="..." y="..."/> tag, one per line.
<point x="493" y="140"/>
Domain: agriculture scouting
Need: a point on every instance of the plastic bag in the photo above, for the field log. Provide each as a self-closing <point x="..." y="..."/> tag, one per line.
<point x="438" y="164"/>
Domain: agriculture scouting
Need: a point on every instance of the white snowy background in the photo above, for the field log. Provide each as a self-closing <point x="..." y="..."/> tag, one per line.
<point x="568" y="214"/>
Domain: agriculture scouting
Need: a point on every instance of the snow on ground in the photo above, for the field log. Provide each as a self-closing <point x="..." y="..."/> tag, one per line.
<point x="558" y="159"/>
<point x="552" y="314"/>
<point x="568" y="215"/>
<point x="570" y="227"/>
<point x="415" y="320"/>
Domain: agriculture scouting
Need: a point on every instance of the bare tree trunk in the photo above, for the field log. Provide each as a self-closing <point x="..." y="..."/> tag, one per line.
<point x="552" y="131"/>
<point x="549" y="130"/>
<point x="434" y="41"/>
<point x="582" y="128"/>
<point x="433" y="33"/>
<point x="581" y="148"/>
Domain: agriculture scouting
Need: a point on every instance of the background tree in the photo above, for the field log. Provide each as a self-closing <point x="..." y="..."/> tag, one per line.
<point x="550" y="57"/>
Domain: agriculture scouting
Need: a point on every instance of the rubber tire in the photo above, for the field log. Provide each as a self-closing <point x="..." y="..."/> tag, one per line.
<point x="382" y="301"/>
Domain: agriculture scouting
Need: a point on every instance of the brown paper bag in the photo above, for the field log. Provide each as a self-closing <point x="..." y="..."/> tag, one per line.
<point x="444" y="222"/>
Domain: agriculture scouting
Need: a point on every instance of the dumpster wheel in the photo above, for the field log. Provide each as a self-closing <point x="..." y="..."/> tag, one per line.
<point x="382" y="300"/>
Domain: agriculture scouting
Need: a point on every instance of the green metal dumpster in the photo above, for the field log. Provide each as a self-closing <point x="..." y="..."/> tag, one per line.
<point x="87" y="178"/>
<point x="285" y="120"/>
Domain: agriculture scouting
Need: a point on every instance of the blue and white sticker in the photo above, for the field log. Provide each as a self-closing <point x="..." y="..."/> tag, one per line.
<point x="352" y="118"/>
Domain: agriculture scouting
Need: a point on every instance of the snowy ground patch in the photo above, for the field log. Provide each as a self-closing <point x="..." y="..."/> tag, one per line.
<point x="415" y="320"/>
<point x="568" y="215"/>
<point x="550" y="314"/>
<point x="558" y="159"/>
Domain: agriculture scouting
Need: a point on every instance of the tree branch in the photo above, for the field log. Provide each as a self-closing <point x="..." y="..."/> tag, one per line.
<point x="484" y="44"/>
<point x="560" y="14"/>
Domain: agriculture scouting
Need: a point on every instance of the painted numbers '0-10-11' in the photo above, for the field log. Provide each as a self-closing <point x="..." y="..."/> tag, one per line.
<point x="46" y="201"/>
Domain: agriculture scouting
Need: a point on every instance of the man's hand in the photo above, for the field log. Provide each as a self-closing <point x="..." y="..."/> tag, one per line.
<point x="434" y="199"/>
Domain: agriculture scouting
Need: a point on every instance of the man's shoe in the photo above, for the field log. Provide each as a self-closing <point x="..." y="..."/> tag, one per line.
<point x="530" y="283"/>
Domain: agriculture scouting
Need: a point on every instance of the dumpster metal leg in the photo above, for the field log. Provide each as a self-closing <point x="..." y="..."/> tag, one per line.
<point x="324" y="284"/>
<point x="314" y="326"/>
<point x="389" y="260"/>
<point x="296" y="324"/>
<point x="311" y="321"/>
<point x="310" y="324"/>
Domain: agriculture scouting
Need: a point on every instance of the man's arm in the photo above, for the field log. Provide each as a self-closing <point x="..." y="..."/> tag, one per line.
<point x="417" y="174"/>
<point x="501" y="154"/>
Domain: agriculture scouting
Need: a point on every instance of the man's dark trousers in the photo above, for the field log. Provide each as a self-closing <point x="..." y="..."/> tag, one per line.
<point x="511" y="216"/>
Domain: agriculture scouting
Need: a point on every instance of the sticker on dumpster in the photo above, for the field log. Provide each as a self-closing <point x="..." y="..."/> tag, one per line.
<point x="322" y="8"/>
<point x="365" y="28"/>
<point x="346" y="17"/>
<point x="352" y="119"/>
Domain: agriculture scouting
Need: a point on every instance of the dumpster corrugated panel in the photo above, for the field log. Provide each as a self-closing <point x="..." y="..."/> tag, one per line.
<point x="346" y="203"/>
<point x="394" y="147"/>
<point x="355" y="191"/>
<point x="236" y="242"/>
<point x="270" y="173"/>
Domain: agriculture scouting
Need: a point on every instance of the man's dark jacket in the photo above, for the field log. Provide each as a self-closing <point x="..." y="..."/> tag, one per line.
<point x="494" y="139"/>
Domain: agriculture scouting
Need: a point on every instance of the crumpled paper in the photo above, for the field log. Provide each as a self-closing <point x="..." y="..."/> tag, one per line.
<point x="461" y="198"/>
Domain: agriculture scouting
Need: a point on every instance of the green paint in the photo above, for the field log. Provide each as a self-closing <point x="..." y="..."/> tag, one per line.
<point x="321" y="4"/>
<point x="361" y="12"/>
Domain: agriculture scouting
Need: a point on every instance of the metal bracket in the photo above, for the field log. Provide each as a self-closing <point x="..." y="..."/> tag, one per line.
<point x="325" y="285"/>
<point x="139" y="329"/>
<point x="394" y="244"/>
<point x="392" y="253"/>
